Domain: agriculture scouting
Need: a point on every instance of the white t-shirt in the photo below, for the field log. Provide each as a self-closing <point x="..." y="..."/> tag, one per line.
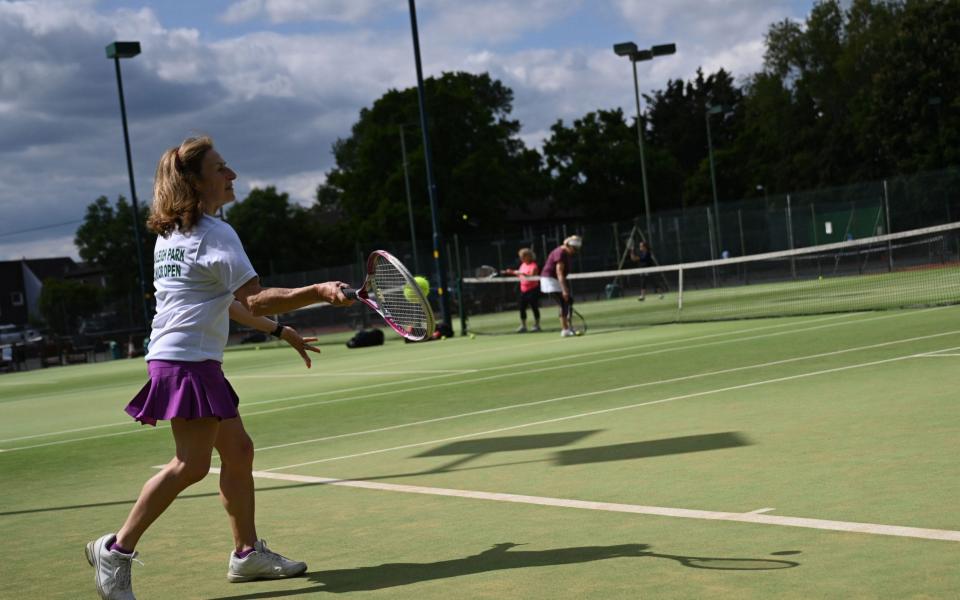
<point x="195" y="275"/>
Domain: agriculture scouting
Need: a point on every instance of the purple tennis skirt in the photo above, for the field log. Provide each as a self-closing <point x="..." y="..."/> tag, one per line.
<point x="186" y="390"/>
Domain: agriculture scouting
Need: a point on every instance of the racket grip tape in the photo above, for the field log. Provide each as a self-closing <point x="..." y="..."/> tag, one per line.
<point x="349" y="292"/>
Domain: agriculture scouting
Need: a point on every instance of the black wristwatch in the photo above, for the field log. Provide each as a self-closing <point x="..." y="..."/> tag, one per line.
<point x="278" y="332"/>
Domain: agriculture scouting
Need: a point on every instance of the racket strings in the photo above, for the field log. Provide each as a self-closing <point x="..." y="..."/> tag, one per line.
<point x="399" y="299"/>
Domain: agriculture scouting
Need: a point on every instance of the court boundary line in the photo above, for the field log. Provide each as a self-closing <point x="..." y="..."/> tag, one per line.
<point x="608" y="410"/>
<point x="753" y="517"/>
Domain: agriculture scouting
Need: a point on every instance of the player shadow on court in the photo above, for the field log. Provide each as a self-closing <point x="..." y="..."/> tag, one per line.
<point x="469" y="450"/>
<point x="501" y="557"/>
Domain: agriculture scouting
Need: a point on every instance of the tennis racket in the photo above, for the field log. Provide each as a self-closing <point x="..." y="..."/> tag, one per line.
<point x="577" y="322"/>
<point x="391" y="291"/>
<point x="486" y="272"/>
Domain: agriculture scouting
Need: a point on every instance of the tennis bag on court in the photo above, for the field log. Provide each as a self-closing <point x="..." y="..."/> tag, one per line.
<point x="366" y="337"/>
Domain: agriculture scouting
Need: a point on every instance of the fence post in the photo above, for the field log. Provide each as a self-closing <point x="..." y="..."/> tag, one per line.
<point x="793" y="262"/>
<point x="713" y="249"/>
<point x="886" y="207"/>
<point x="676" y="226"/>
<point x="616" y="241"/>
<point x="460" y="301"/>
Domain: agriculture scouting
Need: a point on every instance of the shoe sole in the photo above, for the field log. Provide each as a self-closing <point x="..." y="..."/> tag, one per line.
<point x="93" y="557"/>
<point x="243" y="578"/>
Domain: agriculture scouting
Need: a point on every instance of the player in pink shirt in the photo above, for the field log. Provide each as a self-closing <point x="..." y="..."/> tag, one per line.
<point x="529" y="288"/>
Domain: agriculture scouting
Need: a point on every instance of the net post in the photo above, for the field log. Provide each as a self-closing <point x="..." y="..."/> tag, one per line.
<point x="679" y="291"/>
<point x="460" y="302"/>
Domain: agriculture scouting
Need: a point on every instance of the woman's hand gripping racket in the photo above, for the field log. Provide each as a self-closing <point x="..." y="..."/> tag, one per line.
<point x="395" y="295"/>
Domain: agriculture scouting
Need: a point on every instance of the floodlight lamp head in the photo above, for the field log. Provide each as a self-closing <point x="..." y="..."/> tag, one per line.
<point x="641" y="55"/>
<point x="123" y="49"/>
<point x="664" y="49"/>
<point x="625" y="48"/>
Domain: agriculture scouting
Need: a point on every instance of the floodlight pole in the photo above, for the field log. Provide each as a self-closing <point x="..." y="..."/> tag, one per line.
<point x="629" y="49"/>
<point x="643" y="161"/>
<point x="406" y="181"/>
<point x="116" y="51"/>
<point x="438" y="258"/>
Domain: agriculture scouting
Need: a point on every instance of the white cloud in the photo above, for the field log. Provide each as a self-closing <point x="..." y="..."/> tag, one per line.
<point x="286" y="11"/>
<point x="489" y="21"/>
<point x="275" y="101"/>
<point x="302" y="187"/>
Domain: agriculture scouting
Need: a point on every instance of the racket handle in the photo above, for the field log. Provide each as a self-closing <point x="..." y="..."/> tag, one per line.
<point x="350" y="293"/>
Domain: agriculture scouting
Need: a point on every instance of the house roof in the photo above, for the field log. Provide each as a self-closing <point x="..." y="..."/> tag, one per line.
<point x="44" y="268"/>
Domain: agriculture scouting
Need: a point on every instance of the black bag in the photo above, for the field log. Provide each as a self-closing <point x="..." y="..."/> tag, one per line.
<point x="366" y="337"/>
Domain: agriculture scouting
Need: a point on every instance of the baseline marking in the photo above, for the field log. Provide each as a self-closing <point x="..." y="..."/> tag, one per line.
<point x="754" y="517"/>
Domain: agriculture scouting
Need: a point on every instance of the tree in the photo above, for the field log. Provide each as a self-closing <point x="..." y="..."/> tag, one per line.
<point x="278" y="236"/>
<point x="595" y="166"/>
<point x="678" y="129"/>
<point x="106" y="239"/>
<point x="64" y="302"/>
<point x="481" y="168"/>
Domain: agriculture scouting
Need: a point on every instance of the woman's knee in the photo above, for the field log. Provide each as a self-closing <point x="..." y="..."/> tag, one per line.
<point x="192" y="470"/>
<point x="237" y="451"/>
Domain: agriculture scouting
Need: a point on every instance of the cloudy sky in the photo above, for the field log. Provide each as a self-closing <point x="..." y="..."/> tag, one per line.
<point x="276" y="82"/>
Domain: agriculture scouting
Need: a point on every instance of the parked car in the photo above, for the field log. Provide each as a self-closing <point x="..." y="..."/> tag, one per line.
<point x="13" y="334"/>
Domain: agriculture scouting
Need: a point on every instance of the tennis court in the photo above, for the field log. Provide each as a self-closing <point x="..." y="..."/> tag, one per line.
<point x="794" y="457"/>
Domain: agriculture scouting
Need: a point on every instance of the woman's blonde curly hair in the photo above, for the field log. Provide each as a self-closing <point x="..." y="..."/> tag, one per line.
<point x="176" y="201"/>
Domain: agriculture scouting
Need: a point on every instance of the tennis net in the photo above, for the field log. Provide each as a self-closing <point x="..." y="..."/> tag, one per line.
<point x="917" y="268"/>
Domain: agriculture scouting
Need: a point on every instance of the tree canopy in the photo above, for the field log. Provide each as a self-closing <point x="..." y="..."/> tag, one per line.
<point x="858" y="91"/>
<point x="481" y="167"/>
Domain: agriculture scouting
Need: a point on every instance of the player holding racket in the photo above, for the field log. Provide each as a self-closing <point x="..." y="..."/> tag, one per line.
<point x="529" y="288"/>
<point x="553" y="280"/>
<point x="202" y="278"/>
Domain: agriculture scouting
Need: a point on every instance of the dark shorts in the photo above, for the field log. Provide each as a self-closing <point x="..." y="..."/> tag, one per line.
<point x="187" y="390"/>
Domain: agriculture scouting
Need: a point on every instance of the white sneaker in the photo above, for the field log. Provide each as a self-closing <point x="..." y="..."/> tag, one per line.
<point x="567" y="333"/>
<point x="262" y="564"/>
<point x="536" y="328"/>
<point x="112" y="568"/>
<point x="522" y="329"/>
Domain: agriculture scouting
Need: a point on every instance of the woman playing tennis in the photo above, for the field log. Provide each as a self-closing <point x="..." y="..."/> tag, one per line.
<point x="202" y="278"/>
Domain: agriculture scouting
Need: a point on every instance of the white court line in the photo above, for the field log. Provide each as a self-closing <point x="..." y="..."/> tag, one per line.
<point x="357" y="373"/>
<point x="605" y="410"/>
<point x="754" y="517"/>
<point x="634" y="386"/>
<point x="139" y="429"/>
<point x="354" y="396"/>
<point x="566" y="358"/>
<point x="528" y="372"/>
<point x="392" y="383"/>
<point x="13" y="383"/>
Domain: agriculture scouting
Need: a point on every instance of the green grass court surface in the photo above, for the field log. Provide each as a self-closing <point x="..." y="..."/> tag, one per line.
<point x="801" y="457"/>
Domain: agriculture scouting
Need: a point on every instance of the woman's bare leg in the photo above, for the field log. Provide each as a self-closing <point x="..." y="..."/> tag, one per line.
<point x="194" y="439"/>
<point x="236" y="481"/>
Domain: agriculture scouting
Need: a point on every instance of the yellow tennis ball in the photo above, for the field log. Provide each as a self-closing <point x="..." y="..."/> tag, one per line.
<point x="411" y="295"/>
